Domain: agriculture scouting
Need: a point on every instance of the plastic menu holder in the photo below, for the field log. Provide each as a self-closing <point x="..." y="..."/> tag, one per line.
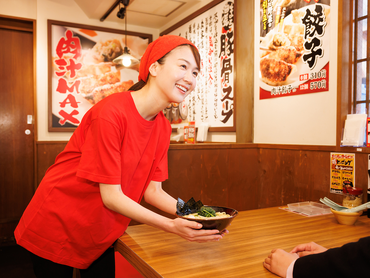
<point x="309" y="208"/>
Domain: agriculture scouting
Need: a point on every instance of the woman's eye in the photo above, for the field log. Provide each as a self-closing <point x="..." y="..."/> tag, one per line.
<point x="195" y="73"/>
<point x="183" y="66"/>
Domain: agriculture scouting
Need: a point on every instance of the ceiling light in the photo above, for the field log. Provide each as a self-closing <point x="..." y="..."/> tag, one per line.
<point x="125" y="59"/>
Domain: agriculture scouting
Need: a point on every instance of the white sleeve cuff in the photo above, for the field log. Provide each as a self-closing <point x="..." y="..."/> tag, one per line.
<point x="289" y="272"/>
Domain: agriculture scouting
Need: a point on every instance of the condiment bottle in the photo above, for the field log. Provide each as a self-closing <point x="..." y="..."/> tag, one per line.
<point x="186" y="134"/>
<point x="191" y="136"/>
<point x="352" y="197"/>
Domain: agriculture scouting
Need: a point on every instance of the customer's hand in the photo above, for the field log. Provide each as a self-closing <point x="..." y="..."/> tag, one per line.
<point x="278" y="261"/>
<point x="308" y="249"/>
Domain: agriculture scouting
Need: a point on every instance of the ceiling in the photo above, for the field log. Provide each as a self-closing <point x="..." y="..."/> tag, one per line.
<point x="145" y="13"/>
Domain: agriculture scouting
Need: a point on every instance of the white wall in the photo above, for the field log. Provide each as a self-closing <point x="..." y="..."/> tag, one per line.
<point x="69" y="11"/>
<point x="304" y="119"/>
<point x="18" y="8"/>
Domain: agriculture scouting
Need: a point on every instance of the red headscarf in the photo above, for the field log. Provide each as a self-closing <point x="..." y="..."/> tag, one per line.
<point x="156" y="50"/>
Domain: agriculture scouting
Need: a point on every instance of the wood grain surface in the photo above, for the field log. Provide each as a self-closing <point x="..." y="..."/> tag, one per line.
<point x="253" y="234"/>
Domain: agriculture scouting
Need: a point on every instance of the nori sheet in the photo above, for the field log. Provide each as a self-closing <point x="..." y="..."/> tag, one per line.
<point x="189" y="207"/>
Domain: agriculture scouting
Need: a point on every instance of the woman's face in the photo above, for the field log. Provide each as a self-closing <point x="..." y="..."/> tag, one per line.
<point x="177" y="77"/>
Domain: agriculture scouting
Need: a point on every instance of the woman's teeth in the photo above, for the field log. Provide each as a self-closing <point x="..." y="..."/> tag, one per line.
<point x="184" y="89"/>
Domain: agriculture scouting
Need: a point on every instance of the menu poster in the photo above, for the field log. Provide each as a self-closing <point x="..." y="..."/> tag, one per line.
<point x="81" y="69"/>
<point x="342" y="168"/>
<point x="212" y="101"/>
<point x="294" y="47"/>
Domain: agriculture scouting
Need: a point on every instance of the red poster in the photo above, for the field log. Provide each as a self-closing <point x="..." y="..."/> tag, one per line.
<point x="82" y="71"/>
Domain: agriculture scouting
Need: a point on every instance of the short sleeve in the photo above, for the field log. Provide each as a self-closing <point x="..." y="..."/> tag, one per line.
<point x="161" y="173"/>
<point x="101" y="153"/>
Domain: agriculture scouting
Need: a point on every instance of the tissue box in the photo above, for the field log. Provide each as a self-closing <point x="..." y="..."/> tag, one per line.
<point x="202" y="132"/>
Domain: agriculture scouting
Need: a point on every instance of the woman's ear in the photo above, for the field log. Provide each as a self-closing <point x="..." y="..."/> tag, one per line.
<point x="153" y="69"/>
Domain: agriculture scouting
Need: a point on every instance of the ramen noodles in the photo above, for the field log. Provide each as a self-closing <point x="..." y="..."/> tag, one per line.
<point x="219" y="215"/>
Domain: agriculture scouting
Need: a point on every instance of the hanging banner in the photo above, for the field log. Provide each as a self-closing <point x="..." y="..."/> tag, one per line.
<point x="212" y="101"/>
<point x="294" y="47"/>
<point x="342" y="171"/>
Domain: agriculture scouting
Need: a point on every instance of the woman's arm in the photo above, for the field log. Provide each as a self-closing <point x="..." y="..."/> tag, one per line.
<point x="159" y="198"/>
<point x="114" y="199"/>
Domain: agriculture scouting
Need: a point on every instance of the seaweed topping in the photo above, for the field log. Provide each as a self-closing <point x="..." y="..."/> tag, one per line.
<point x="189" y="207"/>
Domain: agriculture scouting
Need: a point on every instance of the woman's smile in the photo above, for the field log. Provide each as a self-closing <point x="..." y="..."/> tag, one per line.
<point x="182" y="89"/>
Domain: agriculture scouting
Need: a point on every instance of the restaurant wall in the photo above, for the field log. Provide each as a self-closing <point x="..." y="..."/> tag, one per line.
<point x="19" y="8"/>
<point x="308" y="119"/>
<point x="301" y="120"/>
<point x="69" y="11"/>
<point x="242" y="176"/>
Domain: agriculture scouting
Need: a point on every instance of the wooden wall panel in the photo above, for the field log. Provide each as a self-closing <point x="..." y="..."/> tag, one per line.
<point x="292" y="175"/>
<point x="241" y="177"/>
<point x="46" y="154"/>
<point x="244" y="70"/>
<point x="201" y="174"/>
<point x="243" y="184"/>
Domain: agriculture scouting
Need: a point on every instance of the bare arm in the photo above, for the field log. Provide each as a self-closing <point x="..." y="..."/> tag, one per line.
<point x="159" y="198"/>
<point x="114" y="199"/>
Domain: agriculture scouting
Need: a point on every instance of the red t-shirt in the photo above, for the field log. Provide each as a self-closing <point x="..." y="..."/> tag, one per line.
<point x="66" y="220"/>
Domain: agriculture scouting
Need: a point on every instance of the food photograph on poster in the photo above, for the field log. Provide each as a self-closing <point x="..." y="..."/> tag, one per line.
<point x="294" y="47"/>
<point x="85" y="67"/>
<point x="212" y="101"/>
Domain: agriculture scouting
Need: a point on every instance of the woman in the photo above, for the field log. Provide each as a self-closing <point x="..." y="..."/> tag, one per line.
<point x="116" y="156"/>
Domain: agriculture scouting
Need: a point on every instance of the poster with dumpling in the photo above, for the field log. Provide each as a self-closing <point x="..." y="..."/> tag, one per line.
<point x="82" y="71"/>
<point x="294" y="47"/>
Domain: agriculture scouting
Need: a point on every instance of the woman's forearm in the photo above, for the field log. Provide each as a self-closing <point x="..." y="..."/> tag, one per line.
<point x="156" y="196"/>
<point x="114" y="199"/>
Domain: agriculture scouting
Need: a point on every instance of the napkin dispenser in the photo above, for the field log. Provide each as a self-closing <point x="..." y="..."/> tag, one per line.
<point x="202" y="132"/>
<point x="354" y="130"/>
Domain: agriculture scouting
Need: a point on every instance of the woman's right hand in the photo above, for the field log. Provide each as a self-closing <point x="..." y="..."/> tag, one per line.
<point x="191" y="231"/>
<point x="308" y="249"/>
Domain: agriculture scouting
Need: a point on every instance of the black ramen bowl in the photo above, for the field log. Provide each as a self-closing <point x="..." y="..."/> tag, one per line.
<point x="211" y="223"/>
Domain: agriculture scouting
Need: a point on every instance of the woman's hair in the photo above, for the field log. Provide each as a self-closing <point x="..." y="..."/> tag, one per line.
<point x="137" y="86"/>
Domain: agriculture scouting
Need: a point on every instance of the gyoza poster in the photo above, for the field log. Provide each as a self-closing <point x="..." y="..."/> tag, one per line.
<point x="294" y="47"/>
<point x="342" y="170"/>
<point x="212" y="101"/>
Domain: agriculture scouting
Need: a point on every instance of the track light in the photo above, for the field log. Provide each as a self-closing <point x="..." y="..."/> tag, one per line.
<point x="121" y="13"/>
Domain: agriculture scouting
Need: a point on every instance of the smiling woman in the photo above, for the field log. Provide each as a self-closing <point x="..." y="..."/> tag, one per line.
<point x="116" y="156"/>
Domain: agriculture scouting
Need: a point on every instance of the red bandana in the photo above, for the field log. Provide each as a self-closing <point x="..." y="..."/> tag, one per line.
<point x="156" y="50"/>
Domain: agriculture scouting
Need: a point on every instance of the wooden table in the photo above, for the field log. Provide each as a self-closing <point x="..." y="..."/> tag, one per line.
<point x="253" y="234"/>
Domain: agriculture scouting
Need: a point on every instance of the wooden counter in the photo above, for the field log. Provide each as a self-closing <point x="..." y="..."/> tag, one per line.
<point x="253" y="234"/>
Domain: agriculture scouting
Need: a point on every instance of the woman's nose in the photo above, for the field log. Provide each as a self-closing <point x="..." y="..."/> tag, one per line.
<point x="189" y="78"/>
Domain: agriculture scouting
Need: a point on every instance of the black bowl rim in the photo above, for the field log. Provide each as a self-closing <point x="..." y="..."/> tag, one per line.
<point x="234" y="211"/>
